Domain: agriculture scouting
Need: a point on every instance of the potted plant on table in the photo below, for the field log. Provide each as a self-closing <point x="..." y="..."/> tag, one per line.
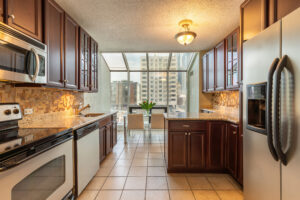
<point x="147" y="106"/>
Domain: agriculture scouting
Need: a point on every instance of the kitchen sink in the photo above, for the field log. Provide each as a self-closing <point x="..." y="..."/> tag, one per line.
<point x="93" y="114"/>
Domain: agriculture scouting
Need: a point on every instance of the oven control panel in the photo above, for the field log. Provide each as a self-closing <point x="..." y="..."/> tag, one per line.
<point x="10" y="111"/>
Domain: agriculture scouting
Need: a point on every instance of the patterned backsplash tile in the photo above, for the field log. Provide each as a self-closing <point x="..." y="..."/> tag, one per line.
<point x="41" y="100"/>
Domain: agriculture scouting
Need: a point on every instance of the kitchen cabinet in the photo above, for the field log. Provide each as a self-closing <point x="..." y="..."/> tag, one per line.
<point x="240" y="158"/>
<point x="54" y="38"/>
<point x="220" y="66"/>
<point x="84" y="60"/>
<point x="102" y="147"/>
<point x="70" y="53"/>
<point x="94" y="66"/>
<point x="232" y="149"/>
<point x="211" y="70"/>
<point x="232" y="60"/>
<point x="196" y="149"/>
<point x="108" y="137"/>
<point x="115" y="132"/>
<point x="26" y="16"/>
<point x="280" y="8"/>
<point x="1" y="10"/>
<point x="177" y="150"/>
<point x="204" y="73"/>
<point x="216" y="145"/>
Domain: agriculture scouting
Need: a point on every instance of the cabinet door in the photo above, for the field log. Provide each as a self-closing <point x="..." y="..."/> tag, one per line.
<point x="84" y="60"/>
<point x="54" y="40"/>
<point x="102" y="150"/>
<point x="108" y="136"/>
<point x="94" y="66"/>
<point x="115" y="133"/>
<point x="71" y="53"/>
<point x="1" y="10"/>
<point x="240" y="159"/>
<point x="280" y="8"/>
<point x="26" y="16"/>
<point x="204" y="73"/>
<point x="211" y="70"/>
<point x="177" y="150"/>
<point x="196" y="150"/>
<point x="220" y="66"/>
<point x="253" y="18"/>
<point x="216" y="145"/>
<point x="232" y="149"/>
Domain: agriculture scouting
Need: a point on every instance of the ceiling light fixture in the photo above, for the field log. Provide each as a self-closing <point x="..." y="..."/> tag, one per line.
<point x="185" y="37"/>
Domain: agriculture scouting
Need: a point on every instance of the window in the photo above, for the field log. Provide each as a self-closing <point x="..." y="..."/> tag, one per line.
<point x="159" y="84"/>
<point x="115" y="61"/>
<point x="137" y="81"/>
<point x="136" y="61"/>
<point x="178" y="92"/>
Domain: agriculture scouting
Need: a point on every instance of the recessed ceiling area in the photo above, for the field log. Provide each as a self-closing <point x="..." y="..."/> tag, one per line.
<point x="150" y="25"/>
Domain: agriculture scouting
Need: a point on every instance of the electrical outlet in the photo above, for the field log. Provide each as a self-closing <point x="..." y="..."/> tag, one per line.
<point x="28" y="111"/>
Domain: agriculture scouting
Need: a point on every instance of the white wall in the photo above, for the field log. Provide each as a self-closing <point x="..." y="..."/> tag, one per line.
<point x="100" y="101"/>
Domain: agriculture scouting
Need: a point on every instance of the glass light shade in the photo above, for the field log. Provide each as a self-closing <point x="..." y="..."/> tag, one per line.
<point x="185" y="37"/>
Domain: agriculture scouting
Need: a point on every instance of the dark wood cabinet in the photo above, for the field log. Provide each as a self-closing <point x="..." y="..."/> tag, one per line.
<point x="232" y="60"/>
<point x="26" y="16"/>
<point x="220" y="66"/>
<point x="115" y="133"/>
<point x="102" y="142"/>
<point x="177" y="150"/>
<point x="280" y="8"/>
<point x="232" y="149"/>
<point x="108" y="136"/>
<point x="70" y="53"/>
<point x="54" y="37"/>
<point x="94" y="66"/>
<point x="204" y="73"/>
<point x="84" y="60"/>
<point x="240" y="158"/>
<point x="216" y="145"/>
<point x="196" y="150"/>
<point x="211" y="70"/>
<point x="2" y="11"/>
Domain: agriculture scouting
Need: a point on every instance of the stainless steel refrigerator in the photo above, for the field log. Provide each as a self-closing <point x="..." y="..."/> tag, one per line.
<point x="271" y="112"/>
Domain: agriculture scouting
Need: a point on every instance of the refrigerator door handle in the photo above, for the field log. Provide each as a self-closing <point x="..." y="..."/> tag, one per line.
<point x="277" y="83"/>
<point x="269" y="109"/>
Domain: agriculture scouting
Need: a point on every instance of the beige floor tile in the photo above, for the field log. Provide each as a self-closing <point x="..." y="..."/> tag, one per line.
<point x="181" y="195"/>
<point x="156" y="162"/>
<point x="176" y="174"/>
<point x="156" y="171"/>
<point x="88" y="195"/>
<point x="108" y="163"/>
<point x="158" y="183"/>
<point x="109" y="195"/>
<point x="114" y="183"/>
<point x="205" y="195"/>
<point x="230" y="195"/>
<point x="143" y="155"/>
<point x="156" y="155"/>
<point x="133" y="195"/>
<point x="138" y="171"/>
<point x="157" y="195"/>
<point x="220" y="183"/>
<point x="140" y="162"/>
<point x="96" y="183"/>
<point x="199" y="183"/>
<point x="133" y="183"/>
<point x="123" y="163"/>
<point x="178" y="183"/>
<point x="105" y="171"/>
<point x="119" y="171"/>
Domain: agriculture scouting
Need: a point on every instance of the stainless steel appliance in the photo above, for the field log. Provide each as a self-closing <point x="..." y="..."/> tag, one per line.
<point x="87" y="159"/>
<point x="35" y="164"/>
<point x="22" y="58"/>
<point x="272" y="160"/>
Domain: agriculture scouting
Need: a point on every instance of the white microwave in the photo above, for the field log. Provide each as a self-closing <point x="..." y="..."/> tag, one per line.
<point x="22" y="58"/>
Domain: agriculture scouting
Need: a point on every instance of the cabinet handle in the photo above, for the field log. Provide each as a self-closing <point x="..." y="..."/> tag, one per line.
<point x="185" y="133"/>
<point x="234" y="132"/>
<point x="186" y="126"/>
<point x="12" y="16"/>
<point x="66" y="81"/>
<point x="189" y="133"/>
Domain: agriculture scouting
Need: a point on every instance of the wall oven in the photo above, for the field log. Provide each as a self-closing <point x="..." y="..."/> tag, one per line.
<point x="22" y="58"/>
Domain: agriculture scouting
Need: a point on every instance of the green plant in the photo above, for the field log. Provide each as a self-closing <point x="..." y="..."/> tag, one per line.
<point x="147" y="106"/>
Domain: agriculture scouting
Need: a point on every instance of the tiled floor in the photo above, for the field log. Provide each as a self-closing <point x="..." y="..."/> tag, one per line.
<point x="136" y="171"/>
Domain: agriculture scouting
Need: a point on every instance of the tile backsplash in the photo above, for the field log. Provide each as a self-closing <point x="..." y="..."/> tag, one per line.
<point x="41" y="100"/>
<point x="226" y="99"/>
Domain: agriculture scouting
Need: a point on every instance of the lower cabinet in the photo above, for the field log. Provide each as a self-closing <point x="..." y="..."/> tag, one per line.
<point x="108" y="137"/>
<point x="102" y="151"/>
<point x="232" y="149"/>
<point x="115" y="132"/>
<point x="196" y="150"/>
<point x="177" y="150"/>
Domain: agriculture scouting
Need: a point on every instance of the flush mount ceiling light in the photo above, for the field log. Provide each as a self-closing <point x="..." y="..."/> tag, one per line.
<point x="185" y="37"/>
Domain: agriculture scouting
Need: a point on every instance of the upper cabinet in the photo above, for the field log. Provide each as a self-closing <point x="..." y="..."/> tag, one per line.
<point x="204" y="73"/>
<point x="26" y="16"/>
<point x="256" y="15"/>
<point x="94" y="66"/>
<point x="232" y="60"/>
<point x="211" y="70"/>
<point x="220" y="66"/>
<point x="84" y="60"/>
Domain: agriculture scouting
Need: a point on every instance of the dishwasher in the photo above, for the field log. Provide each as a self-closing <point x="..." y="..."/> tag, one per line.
<point x="86" y="151"/>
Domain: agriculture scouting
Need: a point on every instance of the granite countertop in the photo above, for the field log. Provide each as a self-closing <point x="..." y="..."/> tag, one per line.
<point x="216" y="115"/>
<point x="65" y="121"/>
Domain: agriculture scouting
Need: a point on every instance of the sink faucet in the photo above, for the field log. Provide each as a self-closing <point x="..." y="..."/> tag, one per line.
<point x="79" y="110"/>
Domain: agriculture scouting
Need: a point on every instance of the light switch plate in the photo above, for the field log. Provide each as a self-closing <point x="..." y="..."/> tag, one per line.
<point x="28" y="111"/>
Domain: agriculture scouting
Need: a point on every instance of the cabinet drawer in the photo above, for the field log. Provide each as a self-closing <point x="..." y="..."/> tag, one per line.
<point x="186" y="125"/>
<point x="104" y="121"/>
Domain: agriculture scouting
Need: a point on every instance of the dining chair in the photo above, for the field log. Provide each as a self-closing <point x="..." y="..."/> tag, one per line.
<point x="135" y="122"/>
<point x="157" y="121"/>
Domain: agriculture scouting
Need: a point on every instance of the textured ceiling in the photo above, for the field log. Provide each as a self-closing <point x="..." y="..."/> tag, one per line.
<point x="150" y="25"/>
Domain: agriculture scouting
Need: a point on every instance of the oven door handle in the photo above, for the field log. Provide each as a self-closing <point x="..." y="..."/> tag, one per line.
<point x="37" y="68"/>
<point x="269" y="108"/>
<point x="282" y="156"/>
